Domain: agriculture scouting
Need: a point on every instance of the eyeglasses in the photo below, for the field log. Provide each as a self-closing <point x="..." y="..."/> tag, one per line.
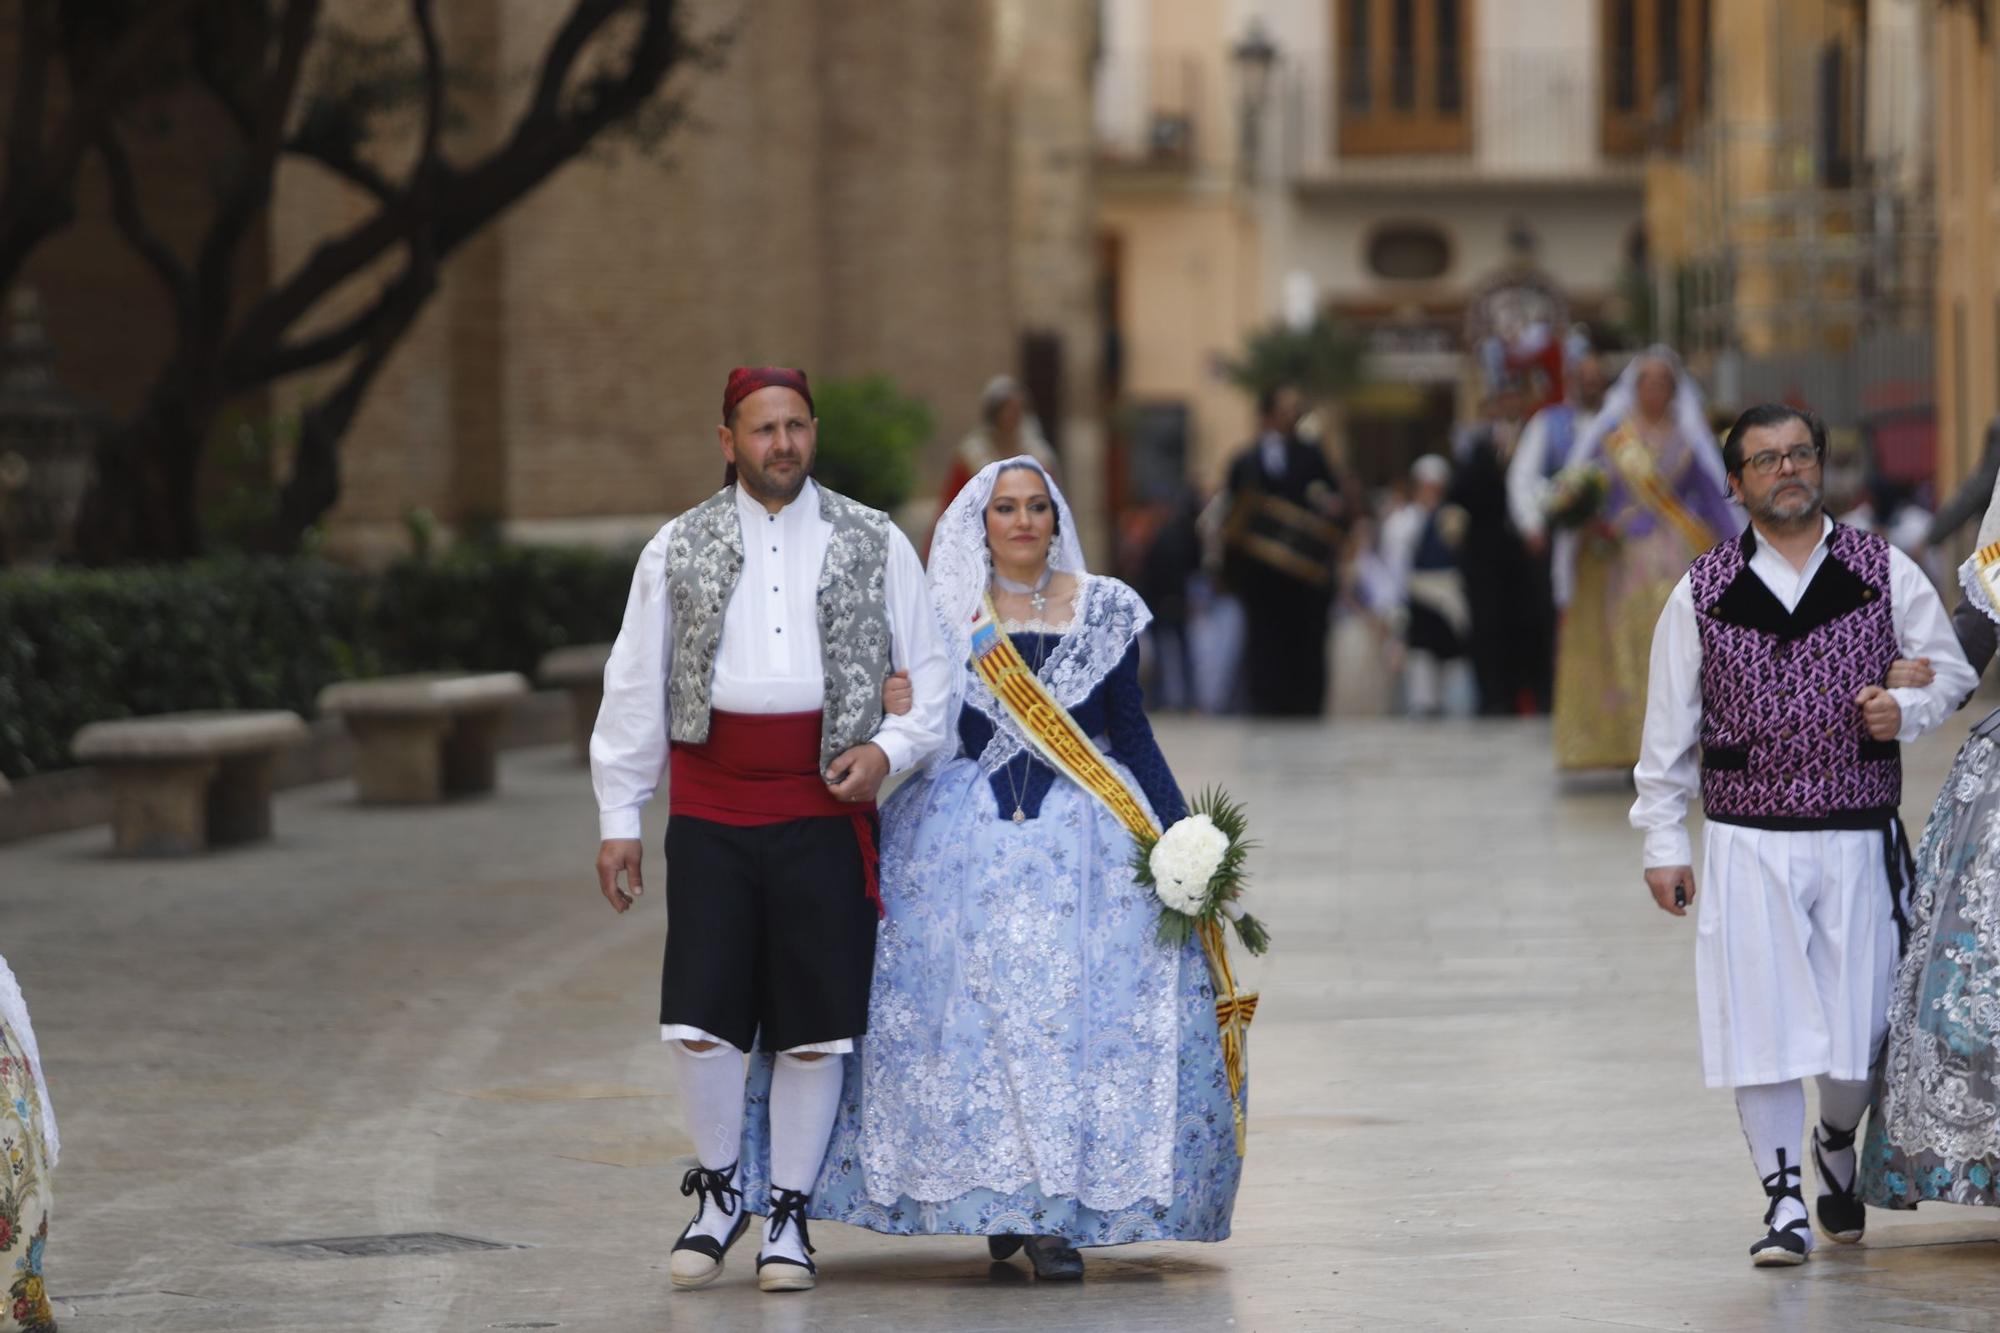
<point x="1801" y="456"/>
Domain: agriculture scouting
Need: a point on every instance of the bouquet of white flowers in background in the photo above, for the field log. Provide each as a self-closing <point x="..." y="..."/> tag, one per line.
<point x="1576" y="495"/>
<point x="1196" y="870"/>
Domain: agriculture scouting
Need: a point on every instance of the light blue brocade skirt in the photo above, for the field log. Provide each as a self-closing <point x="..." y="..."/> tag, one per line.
<point x="1037" y="1063"/>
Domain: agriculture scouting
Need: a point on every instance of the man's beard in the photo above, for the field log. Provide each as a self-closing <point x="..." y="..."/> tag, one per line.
<point x="761" y="484"/>
<point x="1768" y="508"/>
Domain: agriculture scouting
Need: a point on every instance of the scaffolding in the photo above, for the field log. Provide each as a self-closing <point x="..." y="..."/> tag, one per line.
<point x="1812" y="231"/>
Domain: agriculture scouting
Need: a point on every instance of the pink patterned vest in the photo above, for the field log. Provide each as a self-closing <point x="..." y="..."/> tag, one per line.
<point x="1782" y="742"/>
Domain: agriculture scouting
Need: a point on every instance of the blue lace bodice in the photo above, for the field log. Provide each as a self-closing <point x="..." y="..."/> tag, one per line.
<point x="1114" y="714"/>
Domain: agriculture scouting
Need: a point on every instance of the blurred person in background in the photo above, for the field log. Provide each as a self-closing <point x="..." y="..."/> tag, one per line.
<point x="1167" y="572"/>
<point x="1971" y="497"/>
<point x="1665" y="500"/>
<point x="1498" y="575"/>
<point x="1007" y="427"/>
<point x="1546" y="443"/>
<point x="1420" y="544"/>
<point x="1282" y="539"/>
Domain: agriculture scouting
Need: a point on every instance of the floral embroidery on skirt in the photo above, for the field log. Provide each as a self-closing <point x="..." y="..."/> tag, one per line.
<point x="24" y="1196"/>
<point x="1934" y="1132"/>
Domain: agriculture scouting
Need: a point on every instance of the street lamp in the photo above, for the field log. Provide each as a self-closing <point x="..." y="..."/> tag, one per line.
<point x="1255" y="56"/>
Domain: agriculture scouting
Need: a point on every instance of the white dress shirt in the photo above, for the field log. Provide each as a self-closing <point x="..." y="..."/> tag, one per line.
<point x="1669" y="773"/>
<point x="1526" y="486"/>
<point x="769" y="659"/>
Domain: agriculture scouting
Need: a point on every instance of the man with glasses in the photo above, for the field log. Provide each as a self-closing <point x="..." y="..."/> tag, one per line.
<point x="1767" y="692"/>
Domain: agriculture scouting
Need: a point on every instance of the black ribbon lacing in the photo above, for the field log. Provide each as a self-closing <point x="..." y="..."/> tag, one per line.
<point x="1780" y="1185"/>
<point x="788" y="1207"/>
<point x="1900" y="864"/>
<point x="713" y="1185"/>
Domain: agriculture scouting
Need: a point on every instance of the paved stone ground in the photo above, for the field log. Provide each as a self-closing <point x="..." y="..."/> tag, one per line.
<point x="1477" y="1099"/>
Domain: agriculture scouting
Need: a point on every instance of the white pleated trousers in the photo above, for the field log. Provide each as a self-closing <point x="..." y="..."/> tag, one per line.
<point x="1795" y="952"/>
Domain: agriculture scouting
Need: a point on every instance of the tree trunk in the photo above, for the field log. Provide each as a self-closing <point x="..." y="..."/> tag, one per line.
<point x="144" y="501"/>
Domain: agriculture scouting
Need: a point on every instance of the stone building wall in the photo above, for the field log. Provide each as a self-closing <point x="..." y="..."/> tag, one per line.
<point x="840" y="198"/>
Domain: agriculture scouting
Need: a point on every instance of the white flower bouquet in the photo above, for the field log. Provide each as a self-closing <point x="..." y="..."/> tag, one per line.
<point x="1196" y="870"/>
<point x="1576" y="495"/>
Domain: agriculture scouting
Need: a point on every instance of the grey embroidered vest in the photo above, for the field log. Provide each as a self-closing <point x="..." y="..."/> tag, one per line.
<point x="704" y="560"/>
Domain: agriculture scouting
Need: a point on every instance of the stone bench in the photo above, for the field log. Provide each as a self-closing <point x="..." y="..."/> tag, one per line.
<point x="184" y="782"/>
<point x="579" y="670"/>
<point x="425" y="737"/>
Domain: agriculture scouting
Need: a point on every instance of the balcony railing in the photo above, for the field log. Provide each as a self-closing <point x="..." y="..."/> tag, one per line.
<point x="1150" y="110"/>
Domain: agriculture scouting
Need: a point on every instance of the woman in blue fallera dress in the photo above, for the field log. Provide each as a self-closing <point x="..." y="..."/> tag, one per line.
<point x="1038" y="1068"/>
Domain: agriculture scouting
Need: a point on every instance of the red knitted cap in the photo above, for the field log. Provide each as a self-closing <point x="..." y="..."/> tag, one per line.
<point x="746" y="380"/>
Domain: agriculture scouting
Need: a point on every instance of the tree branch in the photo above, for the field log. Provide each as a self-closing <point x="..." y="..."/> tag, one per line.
<point x="125" y="210"/>
<point x="314" y="485"/>
<point x="38" y="195"/>
<point x="346" y="166"/>
<point x="434" y="81"/>
<point x="240" y="112"/>
<point x="340" y="258"/>
<point x="538" y="147"/>
<point x="582" y="24"/>
<point x="251" y="190"/>
<point x="409" y="289"/>
<point x="31" y="70"/>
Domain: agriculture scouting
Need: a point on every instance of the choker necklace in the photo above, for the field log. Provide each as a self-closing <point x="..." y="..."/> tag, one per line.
<point x="1036" y="592"/>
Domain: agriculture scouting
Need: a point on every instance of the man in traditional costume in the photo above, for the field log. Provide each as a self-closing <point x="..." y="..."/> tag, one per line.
<point x="1767" y="692"/>
<point x="760" y="629"/>
<point x="1544" y="449"/>
<point x="1282" y="538"/>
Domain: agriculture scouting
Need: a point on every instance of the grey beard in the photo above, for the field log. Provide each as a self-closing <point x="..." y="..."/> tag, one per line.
<point x="1767" y="511"/>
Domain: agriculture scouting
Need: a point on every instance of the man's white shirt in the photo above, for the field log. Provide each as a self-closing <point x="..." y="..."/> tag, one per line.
<point x="769" y="660"/>
<point x="1669" y="772"/>
<point x="1526" y="486"/>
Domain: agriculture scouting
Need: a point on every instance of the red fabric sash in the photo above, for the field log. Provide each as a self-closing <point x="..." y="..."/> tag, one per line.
<point x="763" y="768"/>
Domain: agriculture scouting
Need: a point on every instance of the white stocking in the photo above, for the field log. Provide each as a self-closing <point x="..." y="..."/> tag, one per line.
<point x="1842" y="1103"/>
<point x="712" y="1100"/>
<point x="805" y="1100"/>
<point x="1774" y="1121"/>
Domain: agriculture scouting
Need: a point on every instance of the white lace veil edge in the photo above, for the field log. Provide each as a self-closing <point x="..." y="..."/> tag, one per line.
<point x="1690" y="418"/>
<point x="961" y="568"/>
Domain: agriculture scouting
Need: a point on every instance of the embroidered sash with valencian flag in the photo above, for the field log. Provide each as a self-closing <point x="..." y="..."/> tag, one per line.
<point x="1633" y="462"/>
<point x="1062" y="744"/>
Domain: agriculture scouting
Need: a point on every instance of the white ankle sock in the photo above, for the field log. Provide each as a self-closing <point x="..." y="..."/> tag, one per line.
<point x="712" y="1100"/>
<point x="1774" y="1122"/>
<point x="805" y="1099"/>
<point x="1842" y="1103"/>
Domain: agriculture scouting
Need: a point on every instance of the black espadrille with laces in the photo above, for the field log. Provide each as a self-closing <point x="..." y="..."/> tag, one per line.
<point x="1786" y="1246"/>
<point x="781" y="1272"/>
<point x="1842" y="1217"/>
<point x="696" y="1259"/>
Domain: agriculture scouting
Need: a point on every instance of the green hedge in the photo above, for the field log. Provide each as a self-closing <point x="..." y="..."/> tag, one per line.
<point x="77" y="646"/>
